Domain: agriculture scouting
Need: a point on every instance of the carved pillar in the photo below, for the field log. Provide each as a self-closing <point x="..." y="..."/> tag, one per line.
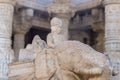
<point x="112" y="32"/>
<point x="63" y="10"/>
<point x="19" y="43"/>
<point x="22" y="24"/>
<point x="6" y="53"/>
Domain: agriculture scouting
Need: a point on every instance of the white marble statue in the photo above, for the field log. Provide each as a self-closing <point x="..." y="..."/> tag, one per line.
<point x="62" y="60"/>
<point x="55" y="37"/>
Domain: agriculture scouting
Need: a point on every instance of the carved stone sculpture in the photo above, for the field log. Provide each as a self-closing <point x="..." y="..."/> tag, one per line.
<point x="32" y="49"/>
<point x="65" y="60"/>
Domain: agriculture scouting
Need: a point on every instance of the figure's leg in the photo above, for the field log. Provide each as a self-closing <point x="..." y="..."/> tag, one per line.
<point x="106" y="75"/>
<point x="85" y="71"/>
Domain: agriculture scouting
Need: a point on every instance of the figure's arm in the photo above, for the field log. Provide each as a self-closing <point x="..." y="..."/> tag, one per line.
<point x="50" y="41"/>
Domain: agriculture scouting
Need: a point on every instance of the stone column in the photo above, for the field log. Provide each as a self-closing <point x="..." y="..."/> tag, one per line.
<point x="112" y="33"/>
<point x="22" y="24"/>
<point x="19" y="43"/>
<point x="6" y="53"/>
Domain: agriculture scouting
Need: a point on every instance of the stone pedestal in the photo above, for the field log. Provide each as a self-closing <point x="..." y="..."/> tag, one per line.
<point x="19" y="43"/>
<point x="112" y="33"/>
<point x="6" y="53"/>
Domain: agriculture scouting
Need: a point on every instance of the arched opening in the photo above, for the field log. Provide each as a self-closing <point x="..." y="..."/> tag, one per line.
<point x="36" y="31"/>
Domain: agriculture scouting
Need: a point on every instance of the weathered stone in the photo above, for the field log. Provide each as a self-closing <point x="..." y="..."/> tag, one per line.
<point x="25" y="69"/>
<point x="65" y="60"/>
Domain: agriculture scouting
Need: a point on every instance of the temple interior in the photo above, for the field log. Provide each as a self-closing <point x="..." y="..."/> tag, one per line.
<point x="25" y="26"/>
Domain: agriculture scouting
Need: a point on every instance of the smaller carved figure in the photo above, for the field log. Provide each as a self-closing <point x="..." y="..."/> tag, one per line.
<point x="38" y="44"/>
<point x="55" y="37"/>
<point x="32" y="49"/>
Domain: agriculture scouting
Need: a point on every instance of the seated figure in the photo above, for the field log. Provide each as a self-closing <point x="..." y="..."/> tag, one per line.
<point x="30" y="52"/>
<point x="55" y="37"/>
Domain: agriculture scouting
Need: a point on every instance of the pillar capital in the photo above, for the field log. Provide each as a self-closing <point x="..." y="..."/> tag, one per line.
<point x="21" y="25"/>
<point x="13" y="2"/>
<point x="107" y="2"/>
<point x="22" y="28"/>
<point x="62" y="9"/>
<point x="23" y="21"/>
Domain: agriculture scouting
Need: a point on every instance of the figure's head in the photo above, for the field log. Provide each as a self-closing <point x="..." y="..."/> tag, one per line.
<point x="36" y="39"/>
<point x="56" y="25"/>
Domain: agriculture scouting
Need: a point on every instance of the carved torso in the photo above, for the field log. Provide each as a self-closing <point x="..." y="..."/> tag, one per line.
<point x="54" y="39"/>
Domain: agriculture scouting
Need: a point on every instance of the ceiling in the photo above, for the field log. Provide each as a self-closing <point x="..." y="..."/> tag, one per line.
<point x="42" y="4"/>
<point x="47" y="2"/>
